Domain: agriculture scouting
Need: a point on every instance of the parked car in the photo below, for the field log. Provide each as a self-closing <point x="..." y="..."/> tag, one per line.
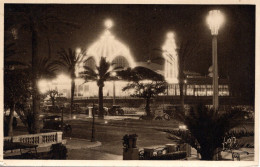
<point x="116" y="110"/>
<point x="54" y="122"/>
<point x="95" y="110"/>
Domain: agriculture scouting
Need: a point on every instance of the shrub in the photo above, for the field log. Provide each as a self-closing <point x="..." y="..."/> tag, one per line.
<point x="58" y="151"/>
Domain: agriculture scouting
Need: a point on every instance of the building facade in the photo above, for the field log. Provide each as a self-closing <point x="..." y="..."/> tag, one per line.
<point x="119" y="55"/>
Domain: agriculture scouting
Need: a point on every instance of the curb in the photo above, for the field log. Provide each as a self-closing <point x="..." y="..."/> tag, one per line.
<point x="76" y="143"/>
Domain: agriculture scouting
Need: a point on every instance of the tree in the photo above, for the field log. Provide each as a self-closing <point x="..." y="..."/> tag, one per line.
<point x="16" y="91"/>
<point x="52" y="94"/>
<point x="69" y="60"/>
<point x="39" y="21"/>
<point x="46" y="68"/>
<point x="207" y="129"/>
<point x="144" y="83"/>
<point x="101" y="74"/>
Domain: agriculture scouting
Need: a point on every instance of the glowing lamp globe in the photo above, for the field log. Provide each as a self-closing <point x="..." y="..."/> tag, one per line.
<point x="215" y="19"/>
<point x="108" y="23"/>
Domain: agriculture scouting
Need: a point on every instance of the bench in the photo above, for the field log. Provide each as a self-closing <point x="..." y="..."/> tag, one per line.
<point x="22" y="146"/>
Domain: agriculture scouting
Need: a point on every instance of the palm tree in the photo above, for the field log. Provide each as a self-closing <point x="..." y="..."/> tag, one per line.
<point x="69" y="60"/>
<point x="207" y="129"/>
<point x="46" y="68"/>
<point x="147" y="90"/>
<point x="101" y="74"/>
<point x="38" y="21"/>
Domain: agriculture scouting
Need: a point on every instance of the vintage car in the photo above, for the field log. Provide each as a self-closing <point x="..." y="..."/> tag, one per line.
<point x="55" y="123"/>
<point x="95" y="110"/>
<point x="116" y="110"/>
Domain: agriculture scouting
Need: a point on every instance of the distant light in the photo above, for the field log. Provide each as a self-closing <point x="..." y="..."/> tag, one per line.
<point x="107" y="33"/>
<point x="109" y="23"/>
<point x="171" y="58"/>
<point x="62" y="78"/>
<point x="44" y="85"/>
<point x="78" y="50"/>
<point x="74" y="117"/>
<point x="185" y="81"/>
<point x="183" y="127"/>
<point x="109" y="47"/>
<point x="113" y="74"/>
<point x="170" y="35"/>
<point x="106" y="122"/>
<point x="215" y="19"/>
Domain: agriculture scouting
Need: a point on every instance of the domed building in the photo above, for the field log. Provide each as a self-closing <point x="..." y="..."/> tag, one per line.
<point x="115" y="52"/>
<point x="118" y="54"/>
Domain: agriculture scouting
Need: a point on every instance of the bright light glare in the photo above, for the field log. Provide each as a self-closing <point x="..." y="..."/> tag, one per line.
<point x="183" y="127"/>
<point x="44" y="85"/>
<point x="109" y="47"/>
<point x="113" y="74"/>
<point x="78" y="50"/>
<point x="215" y="19"/>
<point x="109" y="23"/>
<point x="62" y="78"/>
<point x="171" y="59"/>
<point x="170" y="35"/>
<point x="146" y="81"/>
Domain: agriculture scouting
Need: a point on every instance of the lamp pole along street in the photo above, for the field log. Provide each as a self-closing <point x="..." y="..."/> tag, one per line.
<point x="215" y="72"/>
<point x="93" y="139"/>
<point x="114" y="87"/>
<point x="215" y="19"/>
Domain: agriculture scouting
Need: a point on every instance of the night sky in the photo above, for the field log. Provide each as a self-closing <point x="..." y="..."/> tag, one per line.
<point x="143" y="27"/>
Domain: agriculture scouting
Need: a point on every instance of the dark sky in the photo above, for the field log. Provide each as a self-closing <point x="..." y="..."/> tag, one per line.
<point x="143" y="27"/>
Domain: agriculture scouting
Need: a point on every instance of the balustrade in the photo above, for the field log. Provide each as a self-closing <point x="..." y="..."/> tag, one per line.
<point x="40" y="139"/>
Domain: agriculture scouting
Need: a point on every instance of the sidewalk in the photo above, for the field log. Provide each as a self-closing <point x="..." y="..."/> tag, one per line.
<point x="75" y="143"/>
<point x="80" y="149"/>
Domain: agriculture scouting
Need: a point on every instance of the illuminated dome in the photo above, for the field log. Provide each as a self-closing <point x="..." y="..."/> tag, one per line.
<point x="112" y="49"/>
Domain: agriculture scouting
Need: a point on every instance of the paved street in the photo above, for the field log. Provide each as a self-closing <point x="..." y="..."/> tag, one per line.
<point x="110" y="133"/>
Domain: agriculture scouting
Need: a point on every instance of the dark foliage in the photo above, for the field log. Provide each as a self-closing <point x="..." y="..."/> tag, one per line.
<point x="207" y="129"/>
<point x="144" y="83"/>
<point x="58" y="151"/>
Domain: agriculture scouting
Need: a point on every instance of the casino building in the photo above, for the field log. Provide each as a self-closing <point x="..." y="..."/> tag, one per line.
<point x="119" y="55"/>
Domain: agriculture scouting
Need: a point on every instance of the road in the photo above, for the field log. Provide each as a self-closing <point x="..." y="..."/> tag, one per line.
<point x="111" y="131"/>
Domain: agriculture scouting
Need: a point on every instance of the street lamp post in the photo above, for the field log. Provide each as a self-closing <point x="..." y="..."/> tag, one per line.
<point x="114" y="88"/>
<point x="215" y="19"/>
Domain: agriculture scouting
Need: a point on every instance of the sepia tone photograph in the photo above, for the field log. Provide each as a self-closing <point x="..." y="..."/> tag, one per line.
<point x="164" y="82"/>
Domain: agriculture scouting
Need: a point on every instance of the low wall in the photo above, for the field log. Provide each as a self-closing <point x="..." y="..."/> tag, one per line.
<point x="40" y="139"/>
